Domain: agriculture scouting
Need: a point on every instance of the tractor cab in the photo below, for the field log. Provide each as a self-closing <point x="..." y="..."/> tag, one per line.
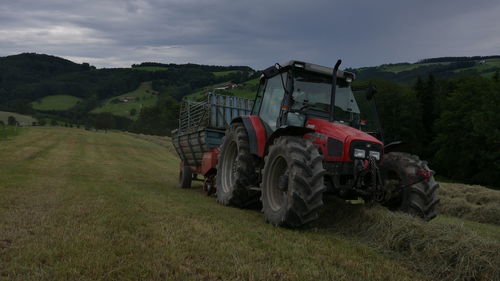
<point x="292" y="93"/>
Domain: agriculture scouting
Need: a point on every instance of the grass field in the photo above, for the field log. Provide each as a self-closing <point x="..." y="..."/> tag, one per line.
<point x="24" y="120"/>
<point x="223" y="73"/>
<point x="7" y="132"/>
<point x="56" y="102"/>
<point x="247" y="89"/>
<point x="79" y="205"/>
<point x="145" y="97"/>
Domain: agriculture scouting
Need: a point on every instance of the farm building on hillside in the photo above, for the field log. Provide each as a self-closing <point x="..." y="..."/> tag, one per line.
<point x="126" y="99"/>
<point x="227" y="86"/>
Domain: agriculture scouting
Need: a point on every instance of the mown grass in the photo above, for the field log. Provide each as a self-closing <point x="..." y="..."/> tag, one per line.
<point x="92" y="206"/>
<point x="56" y="102"/>
<point x="145" y="97"/>
<point x="471" y="202"/>
<point x="7" y="132"/>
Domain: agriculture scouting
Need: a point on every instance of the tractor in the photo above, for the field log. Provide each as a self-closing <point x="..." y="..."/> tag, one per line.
<point x="310" y="133"/>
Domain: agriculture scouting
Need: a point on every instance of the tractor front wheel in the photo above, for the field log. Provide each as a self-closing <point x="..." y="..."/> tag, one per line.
<point x="413" y="183"/>
<point x="292" y="182"/>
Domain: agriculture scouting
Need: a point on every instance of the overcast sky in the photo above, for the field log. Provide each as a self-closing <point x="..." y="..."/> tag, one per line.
<point x="257" y="33"/>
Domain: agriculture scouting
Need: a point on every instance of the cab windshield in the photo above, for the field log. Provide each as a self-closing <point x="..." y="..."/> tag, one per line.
<point x="311" y="97"/>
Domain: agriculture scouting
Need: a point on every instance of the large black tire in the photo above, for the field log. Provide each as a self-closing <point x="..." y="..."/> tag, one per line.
<point x="292" y="182"/>
<point x="418" y="196"/>
<point x="236" y="169"/>
<point x="185" y="177"/>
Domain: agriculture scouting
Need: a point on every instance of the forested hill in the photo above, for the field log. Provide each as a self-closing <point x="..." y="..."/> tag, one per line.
<point x="28" y="77"/>
<point x="440" y="68"/>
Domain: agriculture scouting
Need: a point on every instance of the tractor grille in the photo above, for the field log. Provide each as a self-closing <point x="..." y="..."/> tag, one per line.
<point x="335" y="147"/>
<point x="365" y="145"/>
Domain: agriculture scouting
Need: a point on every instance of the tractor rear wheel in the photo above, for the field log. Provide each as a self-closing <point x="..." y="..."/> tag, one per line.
<point x="417" y="193"/>
<point x="236" y="169"/>
<point x="185" y="177"/>
<point x="292" y="182"/>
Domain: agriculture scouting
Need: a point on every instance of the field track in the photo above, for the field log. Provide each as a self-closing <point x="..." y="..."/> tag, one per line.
<point x="78" y="205"/>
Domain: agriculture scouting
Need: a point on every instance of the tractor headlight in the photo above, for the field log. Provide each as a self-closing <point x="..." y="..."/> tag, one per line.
<point x="359" y="153"/>
<point x="375" y="154"/>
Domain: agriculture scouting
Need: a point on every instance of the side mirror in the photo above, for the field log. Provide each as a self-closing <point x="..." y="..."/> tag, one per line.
<point x="372" y="90"/>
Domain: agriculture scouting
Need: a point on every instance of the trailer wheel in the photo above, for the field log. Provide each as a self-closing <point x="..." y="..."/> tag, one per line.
<point x="418" y="196"/>
<point x="236" y="169"/>
<point x="185" y="177"/>
<point x="292" y="182"/>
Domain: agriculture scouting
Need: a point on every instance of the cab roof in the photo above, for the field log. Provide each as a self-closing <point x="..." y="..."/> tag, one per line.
<point x="310" y="67"/>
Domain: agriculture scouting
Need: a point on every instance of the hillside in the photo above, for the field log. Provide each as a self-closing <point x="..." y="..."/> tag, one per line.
<point x="247" y="89"/>
<point x="24" y="120"/>
<point x="57" y="102"/>
<point x="95" y="205"/>
<point x="133" y="101"/>
<point x="441" y="68"/>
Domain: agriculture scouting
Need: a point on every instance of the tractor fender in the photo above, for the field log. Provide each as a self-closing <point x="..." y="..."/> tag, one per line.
<point x="400" y="146"/>
<point x="287" y="131"/>
<point x="258" y="133"/>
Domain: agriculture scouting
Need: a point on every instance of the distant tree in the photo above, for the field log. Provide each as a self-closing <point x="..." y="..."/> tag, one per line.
<point x="2" y="123"/>
<point x="104" y="121"/>
<point x="11" y="121"/>
<point x="42" y="122"/>
<point x="496" y="76"/>
<point x="53" y="122"/>
<point x="133" y="112"/>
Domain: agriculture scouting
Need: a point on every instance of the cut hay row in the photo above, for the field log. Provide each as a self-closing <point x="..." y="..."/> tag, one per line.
<point x="441" y="250"/>
<point x="470" y="202"/>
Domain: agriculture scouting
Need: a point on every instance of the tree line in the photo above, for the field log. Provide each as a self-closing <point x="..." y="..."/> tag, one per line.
<point x="451" y="123"/>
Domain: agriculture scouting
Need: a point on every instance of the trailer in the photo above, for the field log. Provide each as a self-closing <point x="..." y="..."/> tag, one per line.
<point x="202" y="125"/>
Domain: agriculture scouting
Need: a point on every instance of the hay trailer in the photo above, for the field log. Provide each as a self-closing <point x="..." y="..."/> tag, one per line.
<point x="201" y="128"/>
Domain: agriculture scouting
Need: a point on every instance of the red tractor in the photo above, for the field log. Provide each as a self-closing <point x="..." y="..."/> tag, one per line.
<point x="310" y="132"/>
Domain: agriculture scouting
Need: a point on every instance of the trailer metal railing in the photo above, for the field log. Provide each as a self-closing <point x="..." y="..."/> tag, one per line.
<point x="215" y="113"/>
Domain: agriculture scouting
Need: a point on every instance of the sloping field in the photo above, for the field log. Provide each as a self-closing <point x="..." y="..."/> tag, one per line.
<point x="24" y="120"/>
<point x="144" y="96"/>
<point x="56" y="102"/>
<point x="94" y="206"/>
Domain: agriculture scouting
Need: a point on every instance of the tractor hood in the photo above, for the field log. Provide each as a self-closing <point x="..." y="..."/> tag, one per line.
<point x="343" y="138"/>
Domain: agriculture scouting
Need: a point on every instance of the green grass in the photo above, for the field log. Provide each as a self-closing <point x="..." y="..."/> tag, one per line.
<point x="56" y="102"/>
<point x="247" y="89"/>
<point x="101" y="206"/>
<point x="7" y="132"/>
<point x="490" y="63"/>
<point x="146" y="97"/>
<point x="223" y="73"/>
<point x="151" y="68"/>
<point x="79" y="205"/>
<point x="24" y="120"/>
<point x="396" y="68"/>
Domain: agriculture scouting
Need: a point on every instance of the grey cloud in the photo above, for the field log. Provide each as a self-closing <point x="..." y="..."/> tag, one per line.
<point x="256" y="33"/>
